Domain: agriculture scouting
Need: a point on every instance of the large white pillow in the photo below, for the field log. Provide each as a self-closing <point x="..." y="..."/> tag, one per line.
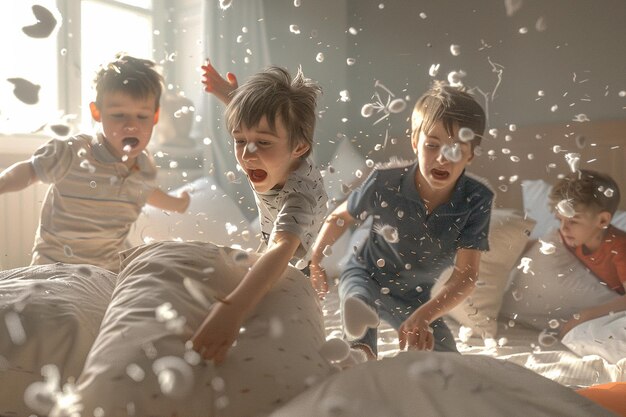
<point x="347" y="169"/>
<point x="212" y="216"/>
<point x="275" y="358"/>
<point x="553" y="287"/>
<point x="437" y="384"/>
<point x="604" y="336"/>
<point x="537" y="206"/>
<point x="508" y="235"/>
<point x="54" y="312"/>
<point x="344" y="248"/>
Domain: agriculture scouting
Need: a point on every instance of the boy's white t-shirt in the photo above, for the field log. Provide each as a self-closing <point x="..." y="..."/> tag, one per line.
<point x="299" y="208"/>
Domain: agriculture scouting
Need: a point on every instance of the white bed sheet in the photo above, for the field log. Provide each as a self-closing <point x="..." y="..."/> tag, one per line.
<point x="517" y="344"/>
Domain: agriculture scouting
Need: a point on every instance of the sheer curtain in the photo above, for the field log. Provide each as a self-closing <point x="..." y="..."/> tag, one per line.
<point x="235" y="40"/>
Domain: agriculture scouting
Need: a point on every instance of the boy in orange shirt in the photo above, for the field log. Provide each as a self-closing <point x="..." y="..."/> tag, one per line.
<point x="585" y="202"/>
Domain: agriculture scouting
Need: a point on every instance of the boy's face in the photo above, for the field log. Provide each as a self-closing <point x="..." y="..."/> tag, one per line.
<point x="127" y="123"/>
<point x="265" y="155"/>
<point x="441" y="158"/>
<point x="584" y="228"/>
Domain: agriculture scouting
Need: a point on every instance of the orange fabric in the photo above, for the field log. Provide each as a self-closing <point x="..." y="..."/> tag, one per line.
<point x="608" y="263"/>
<point x="610" y="396"/>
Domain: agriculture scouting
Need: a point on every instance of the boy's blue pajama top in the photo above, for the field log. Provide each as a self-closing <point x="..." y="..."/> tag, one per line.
<point x="394" y="272"/>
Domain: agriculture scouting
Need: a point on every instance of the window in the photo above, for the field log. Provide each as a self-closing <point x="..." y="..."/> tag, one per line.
<point x="87" y="34"/>
<point x="107" y="28"/>
<point x="30" y="59"/>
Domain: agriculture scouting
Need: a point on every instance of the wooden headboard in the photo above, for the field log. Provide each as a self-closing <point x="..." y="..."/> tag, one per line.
<point x="531" y="155"/>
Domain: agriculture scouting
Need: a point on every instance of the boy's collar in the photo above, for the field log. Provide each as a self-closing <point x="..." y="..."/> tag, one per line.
<point x="408" y="189"/>
<point x="101" y="152"/>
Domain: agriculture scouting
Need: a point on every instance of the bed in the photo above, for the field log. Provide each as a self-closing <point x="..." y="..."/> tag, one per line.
<point x="80" y="339"/>
<point x="84" y="337"/>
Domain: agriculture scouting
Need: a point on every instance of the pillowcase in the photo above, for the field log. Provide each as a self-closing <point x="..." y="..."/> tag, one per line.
<point x="537" y="206"/>
<point x="508" y="235"/>
<point x="554" y="287"/>
<point x="345" y="163"/>
<point x="212" y="216"/>
<point x="343" y="249"/>
<point x="619" y="220"/>
<point x="436" y="384"/>
<point x="162" y="296"/>
<point x="49" y="315"/>
<point x="604" y="336"/>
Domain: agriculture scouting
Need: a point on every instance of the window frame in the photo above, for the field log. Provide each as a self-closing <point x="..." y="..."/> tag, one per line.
<point x="69" y="90"/>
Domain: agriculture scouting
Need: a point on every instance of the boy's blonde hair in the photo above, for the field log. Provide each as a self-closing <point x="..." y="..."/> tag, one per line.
<point x="453" y="106"/>
<point x="587" y="190"/>
<point x="133" y="76"/>
<point x="273" y="93"/>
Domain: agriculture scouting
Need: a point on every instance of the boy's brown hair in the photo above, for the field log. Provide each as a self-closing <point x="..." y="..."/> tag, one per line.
<point x="273" y="93"/>
<point x="451" y="105"/>
<point x="133" y="76"/>
<point x="587" y="190"/>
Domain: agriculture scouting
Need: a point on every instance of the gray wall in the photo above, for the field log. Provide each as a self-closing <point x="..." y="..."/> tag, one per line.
<point x="578" y="60"/>
<point x="581" y="37"/>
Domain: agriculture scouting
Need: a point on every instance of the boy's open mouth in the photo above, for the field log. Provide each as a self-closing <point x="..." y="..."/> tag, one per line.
<point x="257" y="175"/>
<point x="130" y="142"/>
<point x="440" y="175"/>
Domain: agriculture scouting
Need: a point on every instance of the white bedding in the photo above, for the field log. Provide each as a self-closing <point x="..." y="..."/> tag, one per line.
<point x="604" y="337"/>
<point x="163" y="293"/>
<point x="518" y="344"/>
<point x="49" y="315"/>
<point x="69" y="303"/>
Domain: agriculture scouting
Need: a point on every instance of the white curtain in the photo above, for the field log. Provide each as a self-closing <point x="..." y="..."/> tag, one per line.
<point x="235" y="40"/>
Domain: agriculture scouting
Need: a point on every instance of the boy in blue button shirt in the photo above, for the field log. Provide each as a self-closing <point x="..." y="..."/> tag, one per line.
<point x="427" y="215"/>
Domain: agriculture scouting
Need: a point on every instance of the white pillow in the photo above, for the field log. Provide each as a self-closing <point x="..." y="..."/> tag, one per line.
<point x="345" y="166"/>
<point x="619" y="220"/>
<point x="275" y="359"/>
<point x="537" y="206"/>
<point x="436" y="384"/>
<point x="555" y="287"/>
<point x="212" y="216"/>
<point x="332" y="263"/>
<point x="508" y="235"/>
<point x="344" y="248"/>
<point x="604" y="336"/>
<point x="59" y="307"/>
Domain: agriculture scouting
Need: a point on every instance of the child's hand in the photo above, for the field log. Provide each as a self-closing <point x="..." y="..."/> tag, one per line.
<point x="214" y="83"/>
<point x="217" y="333"/>
<point x="416" y="333"/>
<point x="318" y="279"/>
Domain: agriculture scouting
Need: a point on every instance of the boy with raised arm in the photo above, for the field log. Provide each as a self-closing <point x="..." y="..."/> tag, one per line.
<point x="99" y="184"/>
<point x="428" y="214"/>
<point x="272" y="120"/>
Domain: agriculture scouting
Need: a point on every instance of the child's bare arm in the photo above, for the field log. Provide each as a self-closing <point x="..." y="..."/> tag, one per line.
<point x="17" y="177"/>
<point x="168" y="202"/>
<point x="613" y="306"/>
<point x="334" y="226"/>
<point x="221" y="326"/>
<point x="415" y="331"/>
<point x="214" y="83"/>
